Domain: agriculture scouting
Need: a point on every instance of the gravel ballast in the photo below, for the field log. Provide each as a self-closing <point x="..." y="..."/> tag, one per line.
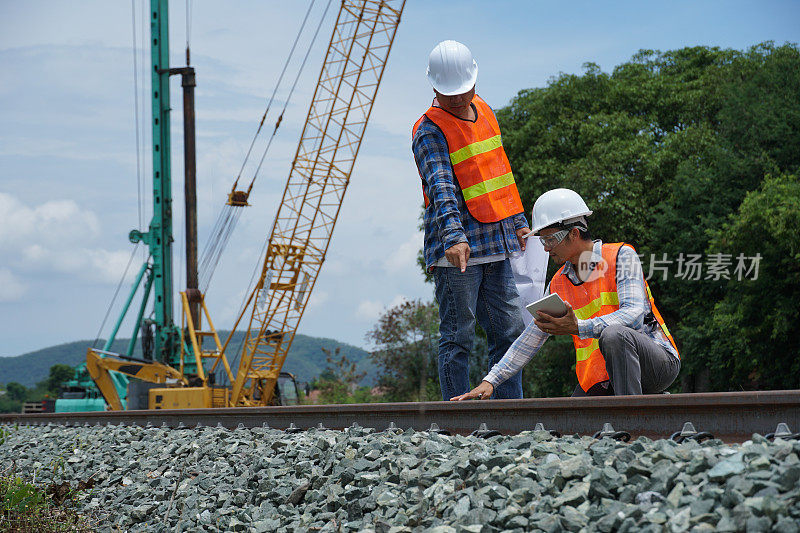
<point x="260" y="479"/>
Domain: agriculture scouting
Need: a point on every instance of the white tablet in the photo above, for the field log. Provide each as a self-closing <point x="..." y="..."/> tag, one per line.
<point x="552" y="304"/>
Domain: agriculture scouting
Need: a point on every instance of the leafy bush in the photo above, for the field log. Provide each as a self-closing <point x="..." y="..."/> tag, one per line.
<point x="25" y="508"/>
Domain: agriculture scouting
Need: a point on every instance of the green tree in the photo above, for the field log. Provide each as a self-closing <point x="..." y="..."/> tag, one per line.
<point x="665" y="149"/>
<point x="339" y="381"/>
<point x="407" y="342"/>
<point x="760" y="300"/>
<point x="58" y="374"/>
<point x="17" y="392"/>
<point x="8" y="405"/>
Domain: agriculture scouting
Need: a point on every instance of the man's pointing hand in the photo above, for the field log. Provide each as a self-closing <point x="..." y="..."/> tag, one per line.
<point x="458" y="255"/>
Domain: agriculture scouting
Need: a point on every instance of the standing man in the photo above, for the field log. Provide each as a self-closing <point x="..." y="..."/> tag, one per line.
<point x="622" y="345"/>
<point x="473" y="220"/>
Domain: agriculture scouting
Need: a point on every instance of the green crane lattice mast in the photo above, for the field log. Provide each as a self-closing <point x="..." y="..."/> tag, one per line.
<point x="159" y="236"/>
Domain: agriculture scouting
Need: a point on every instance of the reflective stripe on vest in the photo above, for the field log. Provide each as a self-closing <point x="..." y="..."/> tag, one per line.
<point x="582" y="354"/>
<point x="488" y="186"/>
<point x="593" y="298"/>
<point x="590" y="309"/>
<point x="471" y="150"/>
<point x="659" y="319"/>
<point x="479" y="162"/>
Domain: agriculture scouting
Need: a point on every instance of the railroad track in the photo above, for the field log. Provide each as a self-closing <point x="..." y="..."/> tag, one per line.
<point x="730" y="416"/>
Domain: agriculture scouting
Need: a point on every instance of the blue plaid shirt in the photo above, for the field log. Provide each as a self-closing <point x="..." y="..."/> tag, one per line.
<point x="447" y="220"/>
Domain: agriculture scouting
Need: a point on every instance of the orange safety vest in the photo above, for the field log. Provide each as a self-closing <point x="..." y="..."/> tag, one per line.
<point x="593" y="298"/>
<point x="479" y="162"/>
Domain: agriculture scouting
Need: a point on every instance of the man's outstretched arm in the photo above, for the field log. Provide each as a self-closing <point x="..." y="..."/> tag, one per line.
<point x="517" y="356"/>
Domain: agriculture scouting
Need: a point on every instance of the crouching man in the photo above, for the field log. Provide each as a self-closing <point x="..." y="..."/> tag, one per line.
<point x="622" y="345"/>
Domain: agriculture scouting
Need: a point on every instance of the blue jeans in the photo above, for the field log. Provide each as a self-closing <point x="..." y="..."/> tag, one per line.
<point x="487" y="293"/>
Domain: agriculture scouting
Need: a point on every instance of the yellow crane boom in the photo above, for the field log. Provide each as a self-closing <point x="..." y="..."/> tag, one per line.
<point x="348" y="82"/>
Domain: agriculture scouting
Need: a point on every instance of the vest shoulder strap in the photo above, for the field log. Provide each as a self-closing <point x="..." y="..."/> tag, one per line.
<point x="416" y="125"/>
<point x="485" y="110"/>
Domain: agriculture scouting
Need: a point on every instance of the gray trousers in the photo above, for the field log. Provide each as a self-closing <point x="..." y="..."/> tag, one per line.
<point x="635" y="364"/>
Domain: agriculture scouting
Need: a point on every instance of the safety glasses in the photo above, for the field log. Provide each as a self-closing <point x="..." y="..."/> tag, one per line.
<point x="554" y="239"/>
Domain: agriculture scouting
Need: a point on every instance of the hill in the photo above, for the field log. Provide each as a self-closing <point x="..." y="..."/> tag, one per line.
<point x="306" y="360"/>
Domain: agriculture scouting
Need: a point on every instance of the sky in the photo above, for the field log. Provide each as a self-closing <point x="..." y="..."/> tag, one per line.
<point x="71" y="177"/>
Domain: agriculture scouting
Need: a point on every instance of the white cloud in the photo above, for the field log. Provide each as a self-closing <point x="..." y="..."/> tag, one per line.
<point x="318" y="298"/>
<point x="397" y="300"/>
<point x="96" y="264"/>
<point x="248" y="115"/>
<point x="52" y="238"/>
<point x="225" y="308"/>
<point x="370" y="310"/>
<point x="335" y="266"/>
<point x="11" y="287"/>
<point x="404" y="258"/>
<point x="48" y="224"/>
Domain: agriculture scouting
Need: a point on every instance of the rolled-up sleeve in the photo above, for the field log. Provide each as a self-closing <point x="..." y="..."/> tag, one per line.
<point x="518" y="355"/>
<point x="633" y="303"/>
<point x="433" y="163"/>
<point x="520" y="222"/>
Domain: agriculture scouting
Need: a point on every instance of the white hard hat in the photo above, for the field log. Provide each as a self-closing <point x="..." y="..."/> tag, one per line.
<point x="451" y="69"/>
<point x="556" y="206"/>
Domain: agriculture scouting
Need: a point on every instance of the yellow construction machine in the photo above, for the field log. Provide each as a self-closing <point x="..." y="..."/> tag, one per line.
<point x="179" y="389"/>
<point x="295" y="249"/>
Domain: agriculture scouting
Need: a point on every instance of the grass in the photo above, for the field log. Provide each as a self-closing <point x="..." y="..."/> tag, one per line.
<point x="25" y="507"/>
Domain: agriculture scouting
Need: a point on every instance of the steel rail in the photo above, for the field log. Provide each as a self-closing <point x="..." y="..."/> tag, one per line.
<point x="730" y="416"/>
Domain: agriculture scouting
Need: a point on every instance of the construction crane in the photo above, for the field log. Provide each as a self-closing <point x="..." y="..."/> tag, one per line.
<point x="334" y="128"/>
<point x="297" y="245"/>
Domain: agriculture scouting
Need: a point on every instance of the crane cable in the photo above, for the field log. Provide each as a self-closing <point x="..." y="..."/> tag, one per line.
<point x="188" y="30"/>
<point x="114" y="298"/>
<point x="230" y="214"/>
<point x="214" y="247"/>
<point x="274" y="91"/>
<point x="286" y="103"/>
<point x="136" y="114"/>
<point x="250" y="286"/>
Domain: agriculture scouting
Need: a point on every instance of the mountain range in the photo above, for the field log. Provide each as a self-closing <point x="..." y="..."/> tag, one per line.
<point x="306" y="359"/>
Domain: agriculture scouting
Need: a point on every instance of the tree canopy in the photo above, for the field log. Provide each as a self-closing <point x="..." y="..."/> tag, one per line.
<point x="691" y="156"/>
<point x="406" y="338"/>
